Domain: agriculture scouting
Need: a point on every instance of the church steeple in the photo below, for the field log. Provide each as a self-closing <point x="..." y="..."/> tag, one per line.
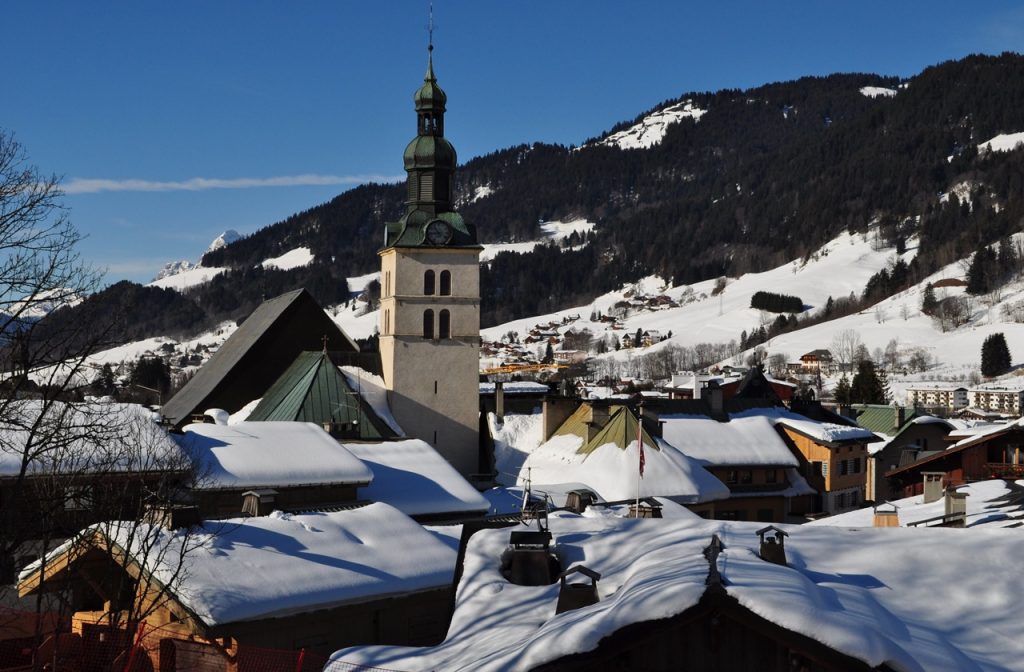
<point x="430" y="159"/>
<point x="430" y="162"/>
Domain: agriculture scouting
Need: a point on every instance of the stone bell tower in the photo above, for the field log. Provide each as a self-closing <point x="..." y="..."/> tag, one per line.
<point x="430" y="297"/>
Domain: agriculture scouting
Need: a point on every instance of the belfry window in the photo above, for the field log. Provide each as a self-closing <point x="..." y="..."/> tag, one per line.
<point x="387" y="322"/>
<point x="444" y="323"/>
<point x="428" y="323"/>
<point x="428" y="283"/>
<point x="446" y="283"/>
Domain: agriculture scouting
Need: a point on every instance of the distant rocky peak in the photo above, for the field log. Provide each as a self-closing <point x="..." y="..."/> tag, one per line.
<point x="175" y="267"/>
<point x="223" y="239"/>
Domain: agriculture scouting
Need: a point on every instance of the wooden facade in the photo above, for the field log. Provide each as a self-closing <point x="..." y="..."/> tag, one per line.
<point x="837" y="470"/>
<point x="998" y="455"/>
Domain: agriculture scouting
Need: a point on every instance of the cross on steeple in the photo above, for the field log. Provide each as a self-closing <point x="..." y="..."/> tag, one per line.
<point x="430" y="29"/>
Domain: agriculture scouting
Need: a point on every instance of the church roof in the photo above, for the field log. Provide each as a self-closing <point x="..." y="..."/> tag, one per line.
<point x="312" y="389"/>
<point x="256" y="354"/>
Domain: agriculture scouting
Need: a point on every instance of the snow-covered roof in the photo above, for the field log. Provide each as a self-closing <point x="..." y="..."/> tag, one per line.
<point x="371" y="388"/>
<point x="994" y="503"/>
<point x="413" y="477"/>
<point x="266" y="567"/>
<point x="516" y="387"/>
<point x="515" y="438"/>
<point x="826" y="432"/>
<point x="612" y="471"/>
<point x="88" y="437"/>
<point x="748" y="439"/>
<point x="877" y="595"/>
<point x="269" y="454"/>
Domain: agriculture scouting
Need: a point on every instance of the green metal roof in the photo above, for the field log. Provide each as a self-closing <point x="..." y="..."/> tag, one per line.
<point x="881" y="419"/>
<point x="620" y="429"/>
<point x="312" y="389"/>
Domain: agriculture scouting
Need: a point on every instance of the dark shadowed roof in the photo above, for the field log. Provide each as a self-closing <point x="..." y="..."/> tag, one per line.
<point x="314" y="390"/>
<point x="253" y="357"/>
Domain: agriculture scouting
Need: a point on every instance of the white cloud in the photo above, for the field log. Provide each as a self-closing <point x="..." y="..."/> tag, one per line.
<point x="80" y="185"/>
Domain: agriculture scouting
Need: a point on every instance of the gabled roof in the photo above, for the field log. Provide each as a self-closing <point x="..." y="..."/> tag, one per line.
<point x="254" y="356"/>
<point x="314" y="390"/>
<point x="971" y="441"/>
<point x="272" y="566"/>
<point x="882" y="418"/>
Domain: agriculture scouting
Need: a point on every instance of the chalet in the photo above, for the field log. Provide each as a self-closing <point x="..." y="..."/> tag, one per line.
<point x="570" y="356"/>
<point x="920" y="437"/>
<point x="699" y="595"/>
<point x="66" y="465"/>
<point x="820" y="360"/>
<point x="315" y="581"/>
<point x="996" y="452"/>
<point x="948" y="397"/>
<point x="752" y="383"/>
<point x="833" y="457"/>
<point x="256" y="355"/>
<point x="744" y="451"/>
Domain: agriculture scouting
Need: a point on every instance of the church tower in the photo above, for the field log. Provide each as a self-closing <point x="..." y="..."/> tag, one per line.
<point x="430" y="297"/>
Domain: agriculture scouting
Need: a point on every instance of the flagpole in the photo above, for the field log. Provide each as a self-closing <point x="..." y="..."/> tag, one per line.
<point x="640" y="453"/>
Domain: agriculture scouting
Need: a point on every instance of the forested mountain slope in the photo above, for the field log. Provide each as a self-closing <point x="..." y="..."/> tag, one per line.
<point x="743" y="181"/>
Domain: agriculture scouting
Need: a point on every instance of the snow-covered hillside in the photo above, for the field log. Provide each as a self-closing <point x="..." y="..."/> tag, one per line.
<point x="553" y="232"/>
<point x="838" y="269"/>
<point x="651" y="129"/>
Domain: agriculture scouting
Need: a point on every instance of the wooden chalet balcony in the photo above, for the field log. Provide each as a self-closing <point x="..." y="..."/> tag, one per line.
<point x="1004" y="470"/>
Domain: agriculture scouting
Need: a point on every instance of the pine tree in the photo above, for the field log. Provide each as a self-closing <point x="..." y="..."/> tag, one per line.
<point x="843" y="391"/>
<point x="866" y="388"/>
<point x="928" y="302"/>
<point x="995" y="356"/>
<point x="979" y="273"/>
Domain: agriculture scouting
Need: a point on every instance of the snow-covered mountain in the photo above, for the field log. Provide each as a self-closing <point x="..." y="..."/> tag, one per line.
<point x="174" y="268"/>
<point x="223" y="239"/>
<point x="650" y="130"/>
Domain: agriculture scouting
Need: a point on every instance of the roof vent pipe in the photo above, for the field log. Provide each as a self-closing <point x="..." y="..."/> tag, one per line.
<point x="773" y="548"/>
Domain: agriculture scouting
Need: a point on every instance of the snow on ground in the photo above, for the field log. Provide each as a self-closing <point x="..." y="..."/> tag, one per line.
<point x="561" y="230"/>
<point x="876" y="91"/>
<point x="483" y="191"/>
<point x="650" y="131"/>
<point x="878" y="595"/>
<point x="988" y="504"/>
<point x="300" y="256"/>
<point x="1004" y="142"/>
<point x="190" y="278"/>
<point x="358" y="283"/>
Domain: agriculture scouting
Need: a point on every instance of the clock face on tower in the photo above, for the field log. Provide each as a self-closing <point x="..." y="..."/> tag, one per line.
<point x="438" y="232"/>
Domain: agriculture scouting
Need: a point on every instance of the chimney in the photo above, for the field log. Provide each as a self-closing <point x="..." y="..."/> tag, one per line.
<point x="696" y="386"/>
<point x="899" y="417"/>
<point x="172" y="516"/>
<point x="577" y="501"/>
<point x="576" y="595"/>
<point x="887" y="517"/>
<point x="773" y="549"/>
<point x="258" y="502"/>
<point x="715" y="398"/>
<point x="499" y="400"/>
<point x="646" y="509"/>
<point x="528" y="561"/>
<point x="956" y="508"/>
<point x="932" y="485"/>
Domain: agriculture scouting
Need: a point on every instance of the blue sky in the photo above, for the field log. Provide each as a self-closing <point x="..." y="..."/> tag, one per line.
<point x="131" y="102"/>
